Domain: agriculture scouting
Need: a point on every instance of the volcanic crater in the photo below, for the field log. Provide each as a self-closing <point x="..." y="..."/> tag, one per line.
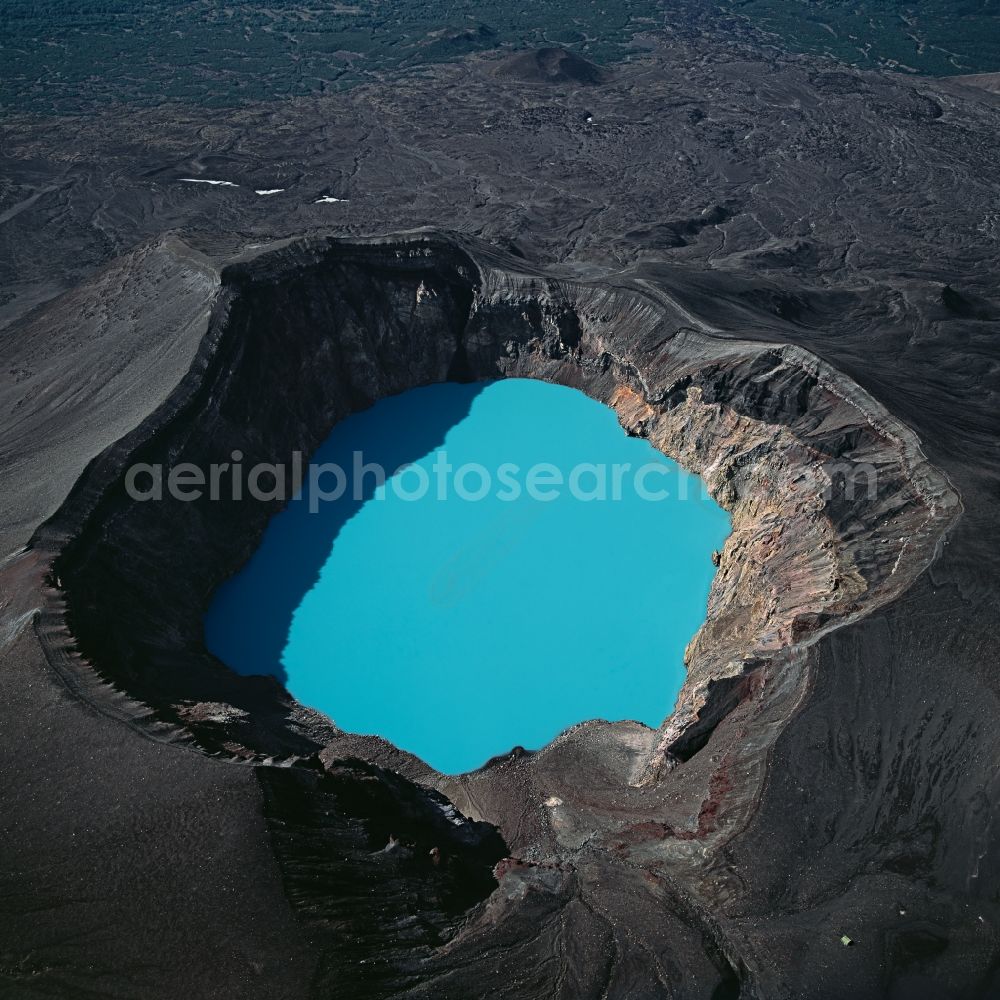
<point x="835" y="512"/>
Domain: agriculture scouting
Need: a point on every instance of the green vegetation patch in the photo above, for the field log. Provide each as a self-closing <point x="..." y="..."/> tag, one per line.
<point x="64" y="55"/>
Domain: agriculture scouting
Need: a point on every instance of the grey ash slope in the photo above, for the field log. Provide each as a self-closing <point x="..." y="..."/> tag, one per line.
<point x="711" y="158"/>
<point x="750" y="199"/>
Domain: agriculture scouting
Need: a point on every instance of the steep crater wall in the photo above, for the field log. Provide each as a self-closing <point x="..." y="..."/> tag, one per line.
<point x="834" y="508"/>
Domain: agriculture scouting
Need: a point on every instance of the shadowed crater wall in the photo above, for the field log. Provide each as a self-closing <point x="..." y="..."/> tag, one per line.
<point x="297" y="546"/>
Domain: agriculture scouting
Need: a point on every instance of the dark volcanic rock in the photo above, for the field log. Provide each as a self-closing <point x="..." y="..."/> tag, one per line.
<point x="377" y="864"/>
<point x="552" y="65"/>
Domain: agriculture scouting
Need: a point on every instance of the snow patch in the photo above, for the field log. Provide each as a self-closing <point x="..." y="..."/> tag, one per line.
<point x="203" y="180"/>
<point x="451" y="813"/>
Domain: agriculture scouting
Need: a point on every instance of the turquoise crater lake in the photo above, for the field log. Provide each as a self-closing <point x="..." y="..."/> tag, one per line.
<point x="460" y="623"/>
